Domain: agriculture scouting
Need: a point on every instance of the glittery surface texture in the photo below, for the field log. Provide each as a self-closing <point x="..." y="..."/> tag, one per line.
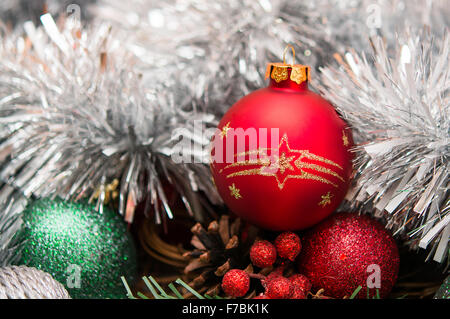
<point x="301" y="286"/>
<point x="336" y="255"/>
<point x="298" y="293"/>
<point x="279" y="288"/>
<point x="236" y="283"/>
<point x="263" y="254"/>
<point x="85" y="250"/>
<point x="444" y="291"/>
<point x="288" y="245"/>
<point x="301" y="282"/>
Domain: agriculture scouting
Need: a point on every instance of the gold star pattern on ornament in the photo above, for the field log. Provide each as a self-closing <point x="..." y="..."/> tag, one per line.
<point x="225" y="130"/>
<point x="344" y="138"/>
<point x="284" y="163"/>
<point x="234" y="191"/>
<point x="280" y="167"/>
<point x="326" y="199"/>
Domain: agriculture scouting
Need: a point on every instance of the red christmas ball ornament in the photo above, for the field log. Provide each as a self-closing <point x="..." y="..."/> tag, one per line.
<point x="288" y="245"/>
<point x="346" y="251"/>
<point x="235" y="283"/>
<point x="280" y="158"/>
<point x="279" y="287"/>
<point x="263" y="254"/>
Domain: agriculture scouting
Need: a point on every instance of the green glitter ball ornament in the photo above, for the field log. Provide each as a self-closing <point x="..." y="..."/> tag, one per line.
<point x="85" y="250"/>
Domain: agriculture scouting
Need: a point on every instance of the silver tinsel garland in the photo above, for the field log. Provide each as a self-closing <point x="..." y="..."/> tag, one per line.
<point x="12" y="203"/>
<point x="399" y="106"/>
<point x="226" y="44"/>
<point x="200" y="41"/>
<point x="16" y="12"/>
<point x="79" y="110"/>
<point x="75" y="116"/>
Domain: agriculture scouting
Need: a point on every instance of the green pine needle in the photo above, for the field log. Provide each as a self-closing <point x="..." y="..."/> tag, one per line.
<point x="140" y="294"/>
<point x="129" y="293"/>
<point x="154" y="288"/>
<point x="175" y="291"/>
<point x="163" y="293"/>
<point x="151" y="288"/>
<point x="156" y="285"/>
<point x="355" y="292"/>
<point x="158" y="292"/>
<point x="192" y="291"/>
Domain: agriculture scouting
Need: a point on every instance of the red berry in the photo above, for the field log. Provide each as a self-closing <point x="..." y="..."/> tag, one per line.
<point x="273" y="275"/>
<point x="236" y="283"/>
<point x="298" y="294"/>
<point x="302" y="282"/>
<point x="279" y="287"/>
<point x="301" y="285"/>
<point x="261" y="297"/>
<point x="263" y="254"/>
<point x="288" y="245"/>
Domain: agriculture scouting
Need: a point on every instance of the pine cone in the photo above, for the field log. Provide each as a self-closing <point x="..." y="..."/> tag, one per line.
<point x="221" y="247"/>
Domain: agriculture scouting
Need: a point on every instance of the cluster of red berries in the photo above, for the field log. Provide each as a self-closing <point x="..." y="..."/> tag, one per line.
<point x="277" y="286"/>
<point x="236" y="282"/>
<point x="264" y="254"/>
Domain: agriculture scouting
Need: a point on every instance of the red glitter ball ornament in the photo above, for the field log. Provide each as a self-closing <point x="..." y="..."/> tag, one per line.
<point x="235" y="283"/>
<point x="288" y="245"/>
<point x="263" y="254"/>
<point x="281" y="156"/>
<point x="279" y="287"/>
<point x="346" y="251"/>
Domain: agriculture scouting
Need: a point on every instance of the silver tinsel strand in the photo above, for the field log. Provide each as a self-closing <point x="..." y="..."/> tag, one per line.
<point x="15" y="12"/>
<point x="226" y="44"/>
<point x="75" y="116"/>
<point x="12" y="203"/>
<point x="399" y="105"/>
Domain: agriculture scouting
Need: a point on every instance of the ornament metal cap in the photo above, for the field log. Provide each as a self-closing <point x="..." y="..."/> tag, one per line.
<point x="297" y="73"/>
